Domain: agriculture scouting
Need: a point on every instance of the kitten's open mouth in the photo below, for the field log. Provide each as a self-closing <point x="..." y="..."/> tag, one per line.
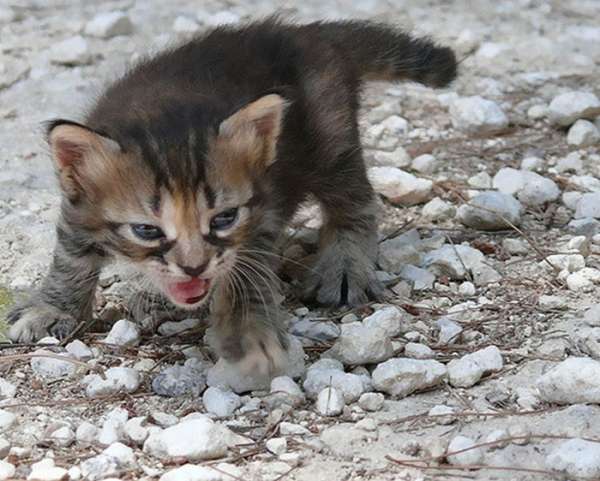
<point x="189" y="292"/>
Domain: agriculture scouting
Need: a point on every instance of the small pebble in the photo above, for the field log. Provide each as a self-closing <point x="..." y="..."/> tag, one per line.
<point x="220" y="403"/>
<point x="123" y="333"/>
<point x="330" y="402"/>
<point x="465" y="458"/>
<point x="277" y="446"/>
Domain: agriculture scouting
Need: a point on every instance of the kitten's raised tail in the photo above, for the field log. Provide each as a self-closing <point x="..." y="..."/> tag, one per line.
<point x="380" y="52"/>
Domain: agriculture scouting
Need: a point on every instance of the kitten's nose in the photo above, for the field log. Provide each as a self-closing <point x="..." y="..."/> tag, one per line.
<point x="193" y="271"/>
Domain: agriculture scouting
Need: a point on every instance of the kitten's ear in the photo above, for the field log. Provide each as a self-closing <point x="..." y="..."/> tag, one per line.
<point x="80" y="154"/>
<point x="256" y="127"/>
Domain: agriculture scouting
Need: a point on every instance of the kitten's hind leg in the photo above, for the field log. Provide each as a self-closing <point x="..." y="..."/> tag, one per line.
<point x="345" y="270"/>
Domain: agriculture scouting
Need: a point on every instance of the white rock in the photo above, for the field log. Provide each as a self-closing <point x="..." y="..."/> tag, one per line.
<point x="171" y="328"/>
<point x="123" y="333"/>
<point x="220" y="403"/>
<point x="401" y="376"/>
<point x="326" y="363"/>
<point x="442" y="414"/>
<point x="45" y="470"/>
<point x="176" y="380"/>
<point x="397" y="158"/>
<point x="284" y="390"/>
<point x="164" y="420"/>
<point x="226" y="375"/>
<point x="571" y="163"/>
<point x="276" y="446"/>
<point x="366" y="424"/>
<point x="117" y="379"/>
<point x="584" y="279"/>
<point x="490" y="50"/>
<point x="498" y="437"/>
<point x="123" y="454"/>
<point x="538" y="190"/>
<point x="552" y="302"/>
<point x="490" y="211"/>
<point x="536" y="112"/>
<point x="330" y="402"/>
<point x="7" y="389"/>
<point x="477" y="115"/>
<point x="12" y="70"/>
<point x="509" y="181"/>
<point x="516" y="246"/>
<point x="574" y="380"/>
<point x="467" y="41"/>
<point x="371" y="401"/>
<point x="7" y="470"/>
<point x="63" y="436"/>
<point x="51" y="367"/>
<point x="385" y="134"/>
<point x="399" y="251"/>
<point x="438" y="210"/>
<point x="592" y="315"/>
<point x="135" y="431"/>
<point x="577" y="458"/>
<point x="359" y="344"/>
<point x="472" y="456"/>
<point x="453" y="260"/>
<point x="449" y="331"/>
<point x="291" y="429"/>
<point x="74" y="473"/>
<point x="400" y="187"/>
<point x="586" y="182"/>
<point x="480" y="181"/>
<point x="420" y="279"/>
<point x="196" y="439"/>
<point x="349" y="384"/>
<point x="467" y="289"/>
<point x="7" y="420"/>
<point x="565" y="262"/>
<point x="86" y="433"/>
<point x="532" y="163"/>
<point x="416" y="350"/>
<point x="274" y="470"/>
<point x="425" y="164"/>
<point x="588" y="206"/>
<point x="468" y="370"/>
<point x="192" y="472"/>
<point x="113" y="427"/>
<point x="583" y="133"/>
<point x="568" y="107"/>
<point x="99" y="467"/>
<point x="110" y="24"/>
<point x="312" y="331"/>
<point x="71" y="51"/>
<point x="79" y="350"/>
<point x="185" y="25"/>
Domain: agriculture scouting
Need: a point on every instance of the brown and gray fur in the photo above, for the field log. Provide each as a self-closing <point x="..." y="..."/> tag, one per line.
<point x="257" y="117"/>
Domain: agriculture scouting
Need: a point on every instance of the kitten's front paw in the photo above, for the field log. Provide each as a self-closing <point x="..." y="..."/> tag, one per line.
<point x="343" y="276"/>
<point x="256" y="353"/>
<point x="37" y="319"/>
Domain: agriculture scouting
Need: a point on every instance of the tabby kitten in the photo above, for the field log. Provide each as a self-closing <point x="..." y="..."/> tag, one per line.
<point x="190" y="166"/>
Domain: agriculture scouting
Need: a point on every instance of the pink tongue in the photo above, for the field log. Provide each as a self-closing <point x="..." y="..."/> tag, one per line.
<point x="189" y="292"/>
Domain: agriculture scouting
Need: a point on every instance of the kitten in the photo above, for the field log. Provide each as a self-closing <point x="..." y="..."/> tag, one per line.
<point x="190" y="166"/>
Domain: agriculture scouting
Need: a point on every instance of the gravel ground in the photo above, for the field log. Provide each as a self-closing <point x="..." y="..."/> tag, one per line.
<point x="484" y="363"/>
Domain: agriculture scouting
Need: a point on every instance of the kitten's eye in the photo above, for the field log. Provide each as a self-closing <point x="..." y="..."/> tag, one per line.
<point x="225" y="219"/>
<point x="147" y="232"/>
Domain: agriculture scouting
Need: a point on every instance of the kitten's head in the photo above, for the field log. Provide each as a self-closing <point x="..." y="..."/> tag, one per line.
<point x="181" y="209"/>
